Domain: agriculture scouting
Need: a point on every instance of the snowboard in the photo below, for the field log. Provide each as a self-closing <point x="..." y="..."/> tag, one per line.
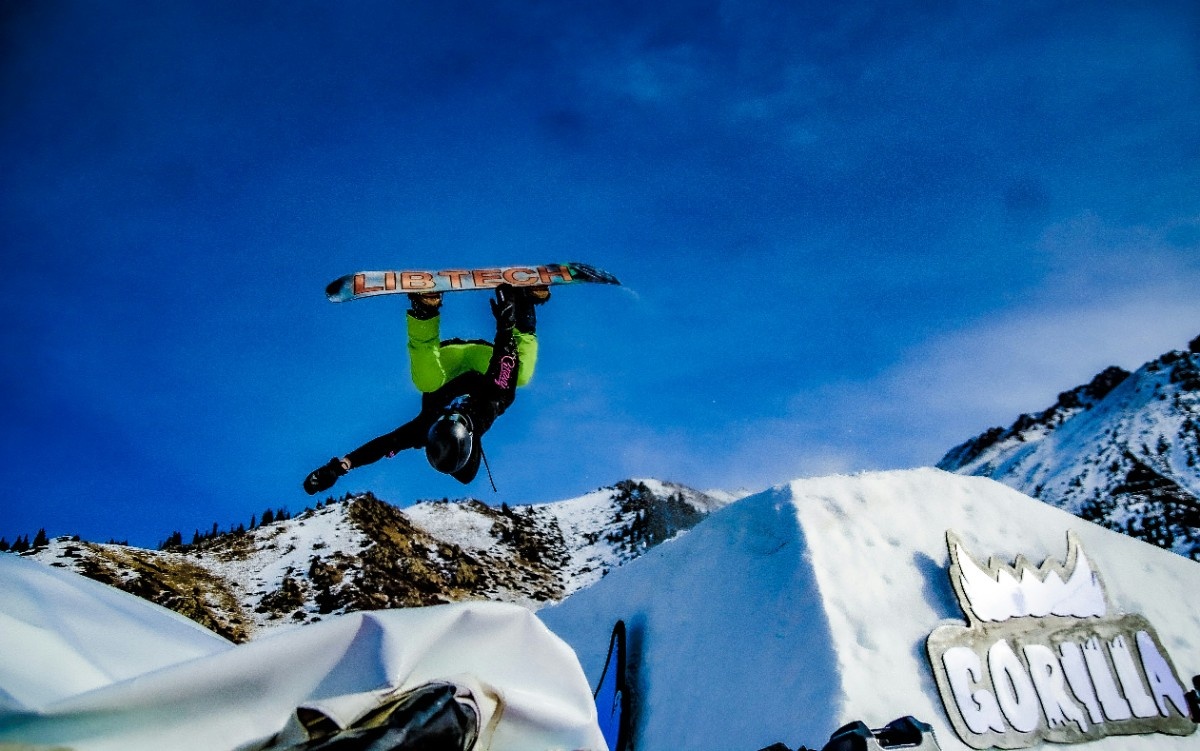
<point x="374" y="283"/>
<point x="612" y="697"/>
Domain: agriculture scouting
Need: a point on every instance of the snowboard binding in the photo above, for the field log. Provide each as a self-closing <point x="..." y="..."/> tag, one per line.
<point x="424" y="305"/>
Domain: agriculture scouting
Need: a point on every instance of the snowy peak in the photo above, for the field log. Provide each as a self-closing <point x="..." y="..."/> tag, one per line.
<point x="575" y="542"/>
<point x="362" y="553"/>
<point x="1029" y="427"/>
<point x="1122" y="450"/>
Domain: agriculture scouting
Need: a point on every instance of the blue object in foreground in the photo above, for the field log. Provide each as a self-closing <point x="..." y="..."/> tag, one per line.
<point x="612" y="699"/>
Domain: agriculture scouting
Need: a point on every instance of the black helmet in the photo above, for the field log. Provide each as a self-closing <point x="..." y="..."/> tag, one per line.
<point x="448" y="444"/>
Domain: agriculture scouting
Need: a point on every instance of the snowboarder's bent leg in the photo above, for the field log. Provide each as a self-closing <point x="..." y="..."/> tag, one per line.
<point x="527" y="351"/>
<point x="527" y="300"/>
<point x="425" y="353"/>
<point x="435" y="363"/>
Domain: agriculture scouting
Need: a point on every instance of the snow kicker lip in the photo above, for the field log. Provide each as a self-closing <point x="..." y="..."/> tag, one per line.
<point x="372" y="283"/>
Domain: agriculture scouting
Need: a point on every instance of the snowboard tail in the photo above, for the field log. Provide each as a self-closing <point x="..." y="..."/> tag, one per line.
<point x="374" y="283"/>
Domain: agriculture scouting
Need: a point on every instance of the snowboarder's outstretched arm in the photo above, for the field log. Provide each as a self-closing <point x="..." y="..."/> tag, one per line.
<point x="410" y="435"/>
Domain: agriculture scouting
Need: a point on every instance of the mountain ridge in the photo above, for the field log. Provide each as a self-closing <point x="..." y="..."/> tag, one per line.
<point x="362" y="553"/>
<point x="1122" y="450"/>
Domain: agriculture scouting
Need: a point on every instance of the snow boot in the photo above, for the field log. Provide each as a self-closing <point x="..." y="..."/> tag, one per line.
<point x="424" y="305"/>
<point x="526" y="299"/>
<point x="540" y="294"/>
<point x="323" y="477"/>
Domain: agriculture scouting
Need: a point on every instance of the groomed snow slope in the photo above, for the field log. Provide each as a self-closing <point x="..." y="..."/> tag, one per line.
<point x="804" y="607"/>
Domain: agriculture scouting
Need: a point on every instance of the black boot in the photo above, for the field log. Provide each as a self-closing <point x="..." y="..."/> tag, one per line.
<point x="323" y="478"/>
<point x="424" y="305"/>
<point x="526" y="299"/>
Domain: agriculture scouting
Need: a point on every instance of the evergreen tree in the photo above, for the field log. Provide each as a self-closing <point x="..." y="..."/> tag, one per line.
<point x="21" y="544"/>
<point x="40" y="540"/>
<point x="268" y="517"/>
<point x="4" y="544"/>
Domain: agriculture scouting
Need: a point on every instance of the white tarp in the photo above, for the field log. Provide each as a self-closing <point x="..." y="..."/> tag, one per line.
<point x="85" y="666"/>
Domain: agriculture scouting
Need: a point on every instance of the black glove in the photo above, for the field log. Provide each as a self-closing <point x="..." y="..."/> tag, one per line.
<point x="504" y="308"/>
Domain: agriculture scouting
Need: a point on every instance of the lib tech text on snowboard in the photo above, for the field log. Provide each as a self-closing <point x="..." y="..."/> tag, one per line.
<point x="422" y="281"/>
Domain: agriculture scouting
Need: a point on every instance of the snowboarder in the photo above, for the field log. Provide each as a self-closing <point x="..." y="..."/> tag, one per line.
<point x="465" y="386"/>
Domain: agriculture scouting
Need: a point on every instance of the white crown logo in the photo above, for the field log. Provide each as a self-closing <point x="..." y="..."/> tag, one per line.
<point x="999" y="592"/>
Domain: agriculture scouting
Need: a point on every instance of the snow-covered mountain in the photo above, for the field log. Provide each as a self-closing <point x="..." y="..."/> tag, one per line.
<point x="1122" y="450"/>
<point x="362" y="553"/>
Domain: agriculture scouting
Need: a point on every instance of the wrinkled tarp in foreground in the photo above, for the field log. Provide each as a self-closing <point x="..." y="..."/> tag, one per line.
<point x="86" y="666"/>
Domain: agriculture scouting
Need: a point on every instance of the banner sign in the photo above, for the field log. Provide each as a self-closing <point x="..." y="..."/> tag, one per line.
<point x="1042" y="660"/>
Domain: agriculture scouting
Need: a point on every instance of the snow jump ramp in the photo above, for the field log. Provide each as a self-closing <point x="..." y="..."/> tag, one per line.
<point x="794" y="611"/>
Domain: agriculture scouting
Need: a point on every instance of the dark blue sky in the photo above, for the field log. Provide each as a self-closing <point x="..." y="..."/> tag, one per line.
<point x="852" y="235"/>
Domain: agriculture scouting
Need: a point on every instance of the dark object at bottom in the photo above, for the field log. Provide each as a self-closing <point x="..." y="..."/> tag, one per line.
<point x="612" y="693"/>
<point x="429" y="718"/>
<point x="906" y="732"/>
<point x="903" y="733"/>
<point x="1193" y="696"/>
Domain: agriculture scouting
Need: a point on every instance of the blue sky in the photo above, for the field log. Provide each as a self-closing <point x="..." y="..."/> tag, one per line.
<point x="852" y="235"/>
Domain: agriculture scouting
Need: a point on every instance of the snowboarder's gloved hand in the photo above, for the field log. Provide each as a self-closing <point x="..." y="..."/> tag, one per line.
<point x="504" y="308"/>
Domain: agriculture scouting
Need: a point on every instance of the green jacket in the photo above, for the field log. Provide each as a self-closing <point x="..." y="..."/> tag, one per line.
<point x="435" y="362"/>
